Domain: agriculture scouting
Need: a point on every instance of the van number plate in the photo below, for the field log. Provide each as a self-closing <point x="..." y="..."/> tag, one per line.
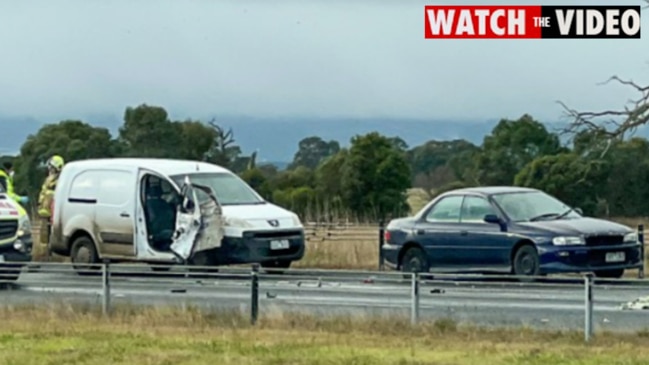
<point x="279" y="245"/>
<point x="615" y="257"/>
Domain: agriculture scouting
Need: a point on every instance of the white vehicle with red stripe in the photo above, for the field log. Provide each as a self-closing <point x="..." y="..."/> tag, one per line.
<point x="15" y="238"/>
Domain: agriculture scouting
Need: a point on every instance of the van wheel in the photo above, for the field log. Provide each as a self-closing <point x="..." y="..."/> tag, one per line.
<point x="83" y="254"/>
<point x="276" y="267"/>
<point x="204" y="259"/>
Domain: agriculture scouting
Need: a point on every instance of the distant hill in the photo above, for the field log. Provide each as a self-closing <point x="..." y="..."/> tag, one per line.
<point x="277" y="139"/>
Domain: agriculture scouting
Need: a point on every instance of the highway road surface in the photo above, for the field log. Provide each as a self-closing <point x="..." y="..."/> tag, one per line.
<point x="491" y="304"/>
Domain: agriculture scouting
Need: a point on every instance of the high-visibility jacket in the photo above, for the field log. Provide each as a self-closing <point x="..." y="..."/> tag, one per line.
<point x="8" y="183"/>
<point x="46" y="195"/>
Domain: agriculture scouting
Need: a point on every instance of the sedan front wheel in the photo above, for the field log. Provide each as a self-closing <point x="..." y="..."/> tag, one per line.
<point x="526" y="261"/>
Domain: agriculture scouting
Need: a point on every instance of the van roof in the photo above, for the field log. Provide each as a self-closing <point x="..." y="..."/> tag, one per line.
<point x="161" y="165"/>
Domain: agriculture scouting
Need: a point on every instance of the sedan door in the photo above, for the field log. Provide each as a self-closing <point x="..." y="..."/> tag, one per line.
<point x="482" y="244"/>
<point x="439" y="231"/>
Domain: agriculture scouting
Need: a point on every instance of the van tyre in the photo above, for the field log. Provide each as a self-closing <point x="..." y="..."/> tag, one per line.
<point x="206" y="261"/>
<point x="526" y="261"/>
<point x="276" y="267"/>
<point x="415" y="260"/>
<point x="83" y="254"/>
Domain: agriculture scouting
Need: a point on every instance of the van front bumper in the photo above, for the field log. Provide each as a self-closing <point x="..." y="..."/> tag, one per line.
<point x="256" y="247"/>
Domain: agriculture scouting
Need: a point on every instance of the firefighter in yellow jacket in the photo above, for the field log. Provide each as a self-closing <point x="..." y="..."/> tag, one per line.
<point x="7" y="181"/>
<point x="54" y="166"/>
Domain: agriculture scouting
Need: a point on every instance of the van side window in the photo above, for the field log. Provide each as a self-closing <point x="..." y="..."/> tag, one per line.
<point x="115" y="187"/>
<point x="84" y="186"/>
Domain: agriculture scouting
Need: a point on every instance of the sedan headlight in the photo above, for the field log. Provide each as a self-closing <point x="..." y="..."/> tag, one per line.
<point x="24" y="226"/>
<point x="631" y="237"/>
<point x="569" y="241"/>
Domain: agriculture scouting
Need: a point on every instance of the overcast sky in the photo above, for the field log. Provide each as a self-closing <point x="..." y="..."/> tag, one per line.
<point x="358" y="58"/>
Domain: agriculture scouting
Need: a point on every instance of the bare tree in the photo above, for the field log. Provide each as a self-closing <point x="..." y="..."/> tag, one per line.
<point x="612" y="124"/>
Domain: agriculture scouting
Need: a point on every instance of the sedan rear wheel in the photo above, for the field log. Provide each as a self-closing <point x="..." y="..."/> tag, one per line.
<point x="414" y="260"/>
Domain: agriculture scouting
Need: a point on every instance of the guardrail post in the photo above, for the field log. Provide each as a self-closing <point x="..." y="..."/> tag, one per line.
<point x="254" y="294"/>
<point x="105" y="276"/>
<point x="414" y="293"/>
<point x="588" y="323"/>
<point x="642" y="249"/>
<point x="381" y="242"/>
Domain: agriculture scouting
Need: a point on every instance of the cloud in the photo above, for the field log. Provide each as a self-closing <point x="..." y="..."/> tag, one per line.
<point x="283" y="58"/>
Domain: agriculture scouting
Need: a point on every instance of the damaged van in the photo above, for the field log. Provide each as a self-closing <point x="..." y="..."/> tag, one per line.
<point x="164" y="211"/>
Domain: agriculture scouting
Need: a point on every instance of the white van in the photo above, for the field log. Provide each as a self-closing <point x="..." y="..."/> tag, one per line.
<point x="162" y="211"/>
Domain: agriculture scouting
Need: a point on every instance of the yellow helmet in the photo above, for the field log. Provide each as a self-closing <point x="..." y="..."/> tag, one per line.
<point x="56" y="162"/>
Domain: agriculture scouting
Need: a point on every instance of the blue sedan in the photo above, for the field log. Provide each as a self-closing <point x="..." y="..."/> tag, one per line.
<point x="521" y="231"/>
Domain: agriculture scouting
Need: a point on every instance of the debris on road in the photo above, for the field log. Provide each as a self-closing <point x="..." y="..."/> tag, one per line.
<point x="641" y="303"/>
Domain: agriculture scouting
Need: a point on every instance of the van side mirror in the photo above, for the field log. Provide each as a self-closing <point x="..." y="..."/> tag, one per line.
<point x="492" y="218"/>
<point x="579" y="211"/>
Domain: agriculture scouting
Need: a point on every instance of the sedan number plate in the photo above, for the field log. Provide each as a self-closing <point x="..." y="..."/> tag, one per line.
<point x="615" y="257"/>
<point x="279" y="245"/>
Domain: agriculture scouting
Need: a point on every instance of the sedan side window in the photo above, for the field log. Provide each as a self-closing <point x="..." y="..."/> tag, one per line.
<point x="474" y="209"/>
<point x="446" y="210"/>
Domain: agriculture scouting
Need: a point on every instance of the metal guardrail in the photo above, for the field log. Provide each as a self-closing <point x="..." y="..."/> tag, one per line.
<point x="412" y="288"/>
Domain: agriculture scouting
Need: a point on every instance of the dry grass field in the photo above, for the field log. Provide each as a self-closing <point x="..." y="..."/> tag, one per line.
<point x="60" y="334"/>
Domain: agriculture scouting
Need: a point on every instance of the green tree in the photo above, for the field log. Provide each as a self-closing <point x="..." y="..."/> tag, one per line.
<point x="196" y="139"/>
<point x="437" y="163"/>
<point x="566" y="177"/>
<point x="312" y="150"/>
<point x="328" y="184"/>
<point x="148" y="132"/>
<point x="627" y="193"/>
<point x="375" y="177"/>
<point x="72" y="139"/>
<point x="257" y="180"/>
<point x="511" y="145"/>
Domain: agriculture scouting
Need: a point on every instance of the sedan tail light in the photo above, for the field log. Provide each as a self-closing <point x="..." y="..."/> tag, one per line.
<point x="386" y="236"/>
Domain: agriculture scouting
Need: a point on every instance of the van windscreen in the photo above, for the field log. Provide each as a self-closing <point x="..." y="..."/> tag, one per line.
<point x="229" y="189"/>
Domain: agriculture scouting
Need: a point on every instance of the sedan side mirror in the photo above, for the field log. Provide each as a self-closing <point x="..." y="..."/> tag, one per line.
<point x="579" y="211"/>
<point x="492" y="218"/>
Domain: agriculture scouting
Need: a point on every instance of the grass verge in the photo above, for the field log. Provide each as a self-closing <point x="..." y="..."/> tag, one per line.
<point x="63" y="334"/>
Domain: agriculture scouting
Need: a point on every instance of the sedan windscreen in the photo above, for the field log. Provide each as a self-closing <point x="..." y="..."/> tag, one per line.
<point x="531" y="206"/>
